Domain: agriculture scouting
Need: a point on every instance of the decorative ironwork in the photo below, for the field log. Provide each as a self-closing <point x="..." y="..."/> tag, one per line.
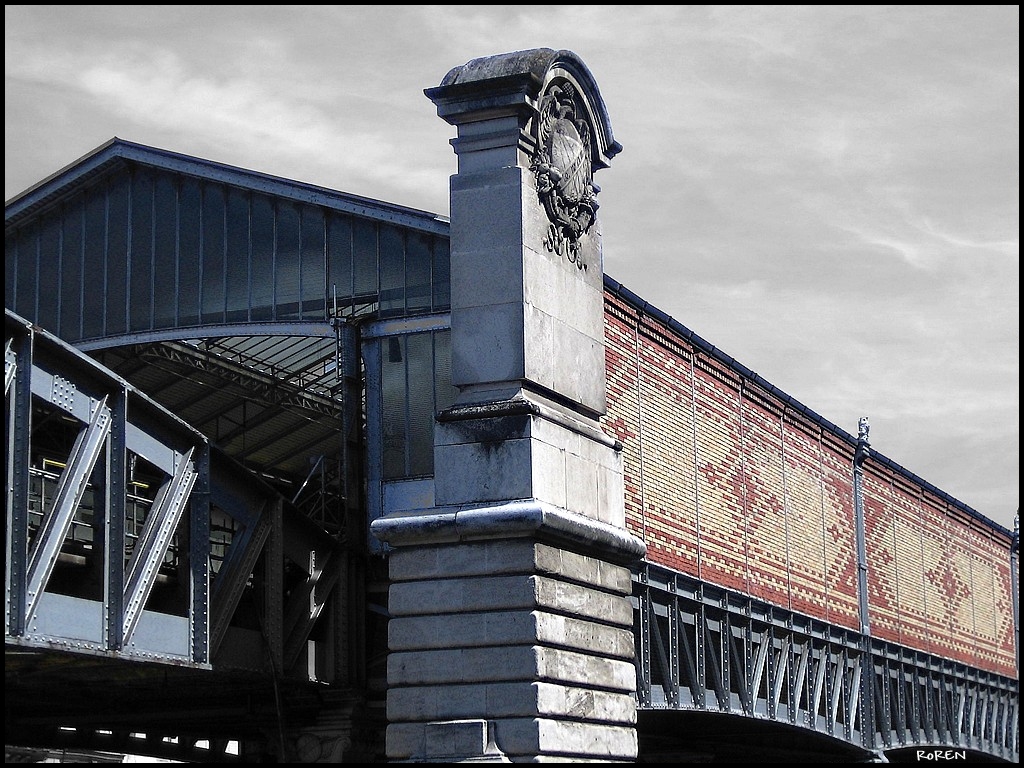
<point x="563" y="168"/>
<point x="702" y="647"/>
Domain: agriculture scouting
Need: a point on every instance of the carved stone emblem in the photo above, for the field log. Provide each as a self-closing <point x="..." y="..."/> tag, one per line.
<point x="562" y="165"/>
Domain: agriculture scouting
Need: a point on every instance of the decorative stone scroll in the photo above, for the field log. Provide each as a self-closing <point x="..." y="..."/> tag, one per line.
<point x="563" y="169"/>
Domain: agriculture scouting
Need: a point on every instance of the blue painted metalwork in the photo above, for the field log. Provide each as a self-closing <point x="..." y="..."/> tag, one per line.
<point x="78" y="513"/>
<point x="157" y="240"/>
<point x="705" y="648"/>
<point x="117" y="150"/>
<point x="132" y="484"/>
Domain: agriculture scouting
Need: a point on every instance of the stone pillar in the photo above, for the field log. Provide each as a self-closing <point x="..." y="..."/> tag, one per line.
<point x="511" y="631"/>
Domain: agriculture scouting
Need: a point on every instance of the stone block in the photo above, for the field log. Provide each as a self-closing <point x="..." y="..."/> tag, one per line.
<point x="583" y="569"/>
<point x="585" y="636"/>
<point x="486" y="429"/>
<point x="507" y="556"/>
<point x="581" y="493"/>
<point x="581" y="367"/>
<point x="514" y="699"/>
<point x="467" y="631"/>
<point x="484" y="472"/>
<point x="554" y="737"/>
<point x="450" y="741"/>
<point x="441" y="632"/>
<point x="486" y="239"/>
<point x="551" y="478"/>
<point x="408" y="495"/>
<point x="485" y="558"/>
<point x="611" y="491"/>
<point x="483" y="146"/>
<point x="558" y="288"/>
<point x="585" y="704"/>
<point x="462" y="665"/>
<point x="577" y="600"/>
<point x="506" y="664"/>
<point x="540" y="365"/>
<point x="570" y="667"/>
<point x="502" y="593"/>
<point x="446" y="596"/>
<point x="487" y="344"/>
<point x="455" y="738"/>
<point x="444" y="702"/>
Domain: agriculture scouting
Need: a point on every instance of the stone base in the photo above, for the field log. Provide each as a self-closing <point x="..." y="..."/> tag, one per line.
<point x="509" y="650"/>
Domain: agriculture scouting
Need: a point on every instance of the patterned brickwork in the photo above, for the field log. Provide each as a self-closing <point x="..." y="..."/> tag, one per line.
<point x="805" y="519"/>
<point x="722" y="503"/>
<point x="939" y="579"/>
<point x="767" y="518"/>
<point x="993" y="609"/>
<point x="883" y="568"/>
<point x="726" y="482"/>
<point x="840" y="544"/>
<point x="908" y="554"/>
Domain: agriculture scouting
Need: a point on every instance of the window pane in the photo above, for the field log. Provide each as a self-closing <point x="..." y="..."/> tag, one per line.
<point x="417" y="271"/>
<point x="393" y="402"/>
<point x="442" y="274"/>
<point x="286" y="262"/>
<point x="10" y="269"/>
<point x="71" y="273"/>
<point x="339" y="261"/>
<point x="117" y="257"/>
<point x="392" y="271"/>
<point x="94" y="290"/>
<point x="421" y="403"/>
<point x="213" y="253"/>
<point x="364" y="243"/>
<point x="24" y="281"/>
<point x="189" y="221"/>
<point x="49" y="273"/>
<point x="444" y="390"/>
<point x="313" y="265"/>
<point x="165" y="243"/>
<point x="262" y="258"/>
<point x="237" y="256"/>
<point x="141" y="289"/>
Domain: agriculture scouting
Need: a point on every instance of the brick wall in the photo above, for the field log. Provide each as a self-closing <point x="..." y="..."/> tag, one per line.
<point x="939" y="579"/>
<point x="733" y="483"/>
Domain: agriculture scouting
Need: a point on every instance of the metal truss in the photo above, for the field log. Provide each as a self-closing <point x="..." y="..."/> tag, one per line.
<point x="702" y="647"/>
<point x="275" y="390"/>
<point x="129" y="536"/>
<point x="296" y="572"/>
<point x="67" y="413"/>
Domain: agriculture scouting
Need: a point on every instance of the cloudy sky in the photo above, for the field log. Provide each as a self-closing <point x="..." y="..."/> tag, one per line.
<point x="829" y="194"/>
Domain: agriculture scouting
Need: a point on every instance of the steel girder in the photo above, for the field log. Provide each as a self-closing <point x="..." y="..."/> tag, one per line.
<point x="702" y="647"/>
<point x="76" y="434"/>
<point x="77" y="513"/>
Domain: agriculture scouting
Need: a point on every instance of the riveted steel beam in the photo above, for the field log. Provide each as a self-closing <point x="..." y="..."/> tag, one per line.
<point x="241" y="557"/>
<point x="154" y="540"/>
<point x="71" y="487"/>
<point x="306" y="602"/>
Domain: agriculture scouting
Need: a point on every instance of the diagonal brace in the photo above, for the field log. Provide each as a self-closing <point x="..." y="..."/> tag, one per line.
<point x="153" y="542"/>
<point x="70" y="488"/>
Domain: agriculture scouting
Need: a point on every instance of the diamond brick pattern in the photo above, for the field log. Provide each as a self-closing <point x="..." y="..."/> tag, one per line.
<point x="725" y="484"/>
